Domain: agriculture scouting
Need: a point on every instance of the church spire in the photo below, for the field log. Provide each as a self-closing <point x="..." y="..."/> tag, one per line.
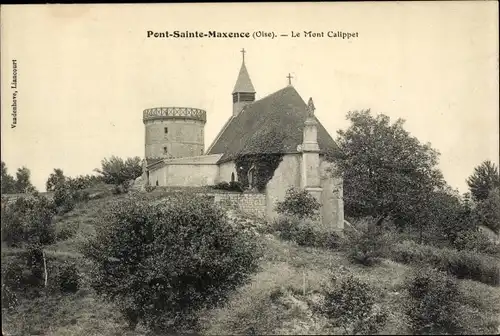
<point x="243" y="83"/>
<point x="243" y="92"/>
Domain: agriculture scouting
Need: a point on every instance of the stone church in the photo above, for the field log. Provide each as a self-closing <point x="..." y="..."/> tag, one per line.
<point x="267" y="145"/>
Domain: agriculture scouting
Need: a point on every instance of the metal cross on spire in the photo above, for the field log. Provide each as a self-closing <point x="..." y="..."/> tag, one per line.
<point x="289" y="79"/>
<point x="243" y="53"/>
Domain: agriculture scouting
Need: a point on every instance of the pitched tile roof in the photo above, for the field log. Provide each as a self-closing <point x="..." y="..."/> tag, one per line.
<point x="243" y="83"/>
<point x="273" y="124"/>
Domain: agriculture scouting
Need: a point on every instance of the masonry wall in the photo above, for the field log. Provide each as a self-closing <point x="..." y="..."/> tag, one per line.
<point x="225" y="170"/>
<point x="288" y="174"/>
<point x="184" y="175"/>
<point x="250" y="203"/>
<point x="332" y="210"/>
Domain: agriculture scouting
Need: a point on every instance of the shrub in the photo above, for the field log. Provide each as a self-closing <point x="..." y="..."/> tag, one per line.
<point x="229" y="186"/>
<point x="305" y="232"/>
<point x="23" y="272"/>
<point x="150" y="188"/>
<point x="477" y="241"/>
<point x="433" y="307"/>
<point x="162" y="263"/>
<point x="462" y="264"/>
<point x="487" y="212"/>
<point x="63" y="198"/>
<point x="28" y="221"/>
<point x="68" y="278"/>
<point x="368" y="245"/>
<point x="9" y="297"/>
<point x="299" y="203"/>
<point x="351" y="305"/>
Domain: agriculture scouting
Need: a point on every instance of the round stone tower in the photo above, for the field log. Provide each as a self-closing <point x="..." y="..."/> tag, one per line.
<point x="174" y="132"/>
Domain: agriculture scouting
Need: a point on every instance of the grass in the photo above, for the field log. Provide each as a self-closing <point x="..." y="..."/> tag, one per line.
<point x="280" y="298"/>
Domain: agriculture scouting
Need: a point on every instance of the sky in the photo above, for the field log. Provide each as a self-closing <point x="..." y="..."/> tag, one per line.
<point x="85" y="73"/>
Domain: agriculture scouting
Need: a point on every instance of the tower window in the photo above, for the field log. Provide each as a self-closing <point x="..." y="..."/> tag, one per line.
<point x="165" y="130"/>
<point x="165" y="150"/>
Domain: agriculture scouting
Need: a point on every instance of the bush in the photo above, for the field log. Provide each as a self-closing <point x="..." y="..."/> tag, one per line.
<point x="487" y="212"/>
<point x="28" y="221"/>
<point x="298" y="203"/>
<point x="23" y="273"/>
<point x="462" y="264"/>
<point x="229" y="186"/>
<point x="477" y="241"/>
<point x="63" y="198"/>
<point x="351" y="305"/>
<point x="67" y="278"/>
<point x="68" y="195"/>
<point x="150" y="188"/>
<point x="368" y="245"/>
<point x="305" y="232"/>
<point x="162" y="263"/>
<point x="433" y="307"/>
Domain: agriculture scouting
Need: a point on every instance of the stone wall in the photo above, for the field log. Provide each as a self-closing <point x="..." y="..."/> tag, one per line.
<point x="184" y="175"/>
<point x="249" y="203"/>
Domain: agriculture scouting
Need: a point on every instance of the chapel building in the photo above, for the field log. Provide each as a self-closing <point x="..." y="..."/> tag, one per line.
<point x="268" y="145"/>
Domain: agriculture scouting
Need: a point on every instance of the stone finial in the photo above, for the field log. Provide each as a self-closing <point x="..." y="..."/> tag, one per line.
<point x="310" y="107"/>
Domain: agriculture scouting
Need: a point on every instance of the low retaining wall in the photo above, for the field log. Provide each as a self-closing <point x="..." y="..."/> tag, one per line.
<point x="250" y="203"/>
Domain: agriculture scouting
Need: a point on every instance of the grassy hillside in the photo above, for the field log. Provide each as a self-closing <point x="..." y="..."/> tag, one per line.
<point x="280" y="299"/>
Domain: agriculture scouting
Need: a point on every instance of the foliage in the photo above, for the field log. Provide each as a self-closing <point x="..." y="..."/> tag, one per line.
<point x="23" y="183"/>
<point x="484" y="179"/>
<point x="477" y="241"/>
<point x="433" y="307"/>
<point x="161" y="263"/>
<point x="68" y="278"/>
<point x="150" y="188"/>
<point x="8" y="181"/>
<point x="351" y="305"/>
<point x="305" y="232"/>
<point x="229" y="186"/>
<point x="386" y="171"/>
<point x="20" y="184"/>
<point x="462" y="264"/>
<point x="264" y="165"/>
<point x="368" y="245"/>
<point x="487" y="212"/>
<point x="118" y="171"/>
<point x="67" y="195"/>
<point x="28" y="221"/>
<point x="299" y="203"/>
<point x="443" y="216"/>
<point x="56" y="178"/>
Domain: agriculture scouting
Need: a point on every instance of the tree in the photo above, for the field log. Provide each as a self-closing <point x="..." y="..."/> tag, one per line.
<point x="8" y="182"/>
<point x="28" y="223"/>
<point x="487" y="212"/>
<point x="56" y="178"/>
<point x="484" y="179"/>
<point x="161" y="263"/>
<point x="23" y="183"/>
<point x="386" y="171"/>
<point x="117" y="171"/>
